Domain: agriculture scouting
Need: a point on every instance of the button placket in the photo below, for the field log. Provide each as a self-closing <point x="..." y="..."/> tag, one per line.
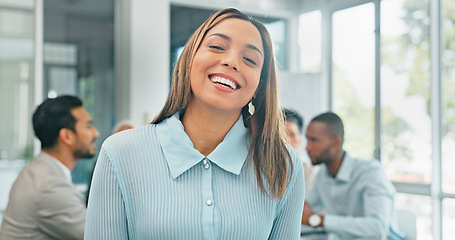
<point x="207" y="197"/>
<point x="206" y="164"/>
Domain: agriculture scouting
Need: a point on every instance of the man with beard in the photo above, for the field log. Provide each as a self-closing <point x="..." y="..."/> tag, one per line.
<point x="43" y="202"/>
<point x="351" y="197"/>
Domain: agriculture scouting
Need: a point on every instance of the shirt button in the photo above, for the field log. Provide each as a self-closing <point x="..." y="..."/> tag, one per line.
<point x="209" y="202"/>
<point x="204" y="162"/>
<point x="206" y="166"/>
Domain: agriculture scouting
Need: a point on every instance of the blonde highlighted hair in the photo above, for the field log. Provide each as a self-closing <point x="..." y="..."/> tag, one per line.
<point x="268" y="151"/>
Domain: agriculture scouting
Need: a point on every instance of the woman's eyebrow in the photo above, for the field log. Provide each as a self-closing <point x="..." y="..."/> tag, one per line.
<point x="254" y="48"/>
<point x="221" y="36"/>
<point x="229" y="39"/>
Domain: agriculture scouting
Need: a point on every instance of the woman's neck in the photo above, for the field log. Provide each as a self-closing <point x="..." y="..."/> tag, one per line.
<point x="207" y="128"/>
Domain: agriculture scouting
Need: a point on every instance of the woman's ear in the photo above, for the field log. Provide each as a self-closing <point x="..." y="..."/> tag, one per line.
<point x="67" y="136"/>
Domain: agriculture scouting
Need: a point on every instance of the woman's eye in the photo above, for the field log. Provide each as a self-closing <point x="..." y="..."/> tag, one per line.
<point x="250" y="60"/>
<point x="216" y="47"/>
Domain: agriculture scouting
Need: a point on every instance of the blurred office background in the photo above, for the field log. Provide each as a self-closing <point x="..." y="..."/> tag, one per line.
<point x="386" y="66"/>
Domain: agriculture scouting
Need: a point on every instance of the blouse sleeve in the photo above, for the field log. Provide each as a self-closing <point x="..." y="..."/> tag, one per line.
<point x="287" y="223"/>
<point x="106" y="216"/>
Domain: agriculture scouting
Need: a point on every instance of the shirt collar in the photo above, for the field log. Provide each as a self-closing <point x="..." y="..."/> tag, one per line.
<point x="66" y="171"/>
<point x="180" y="154"/>
<point x="344" y="173"/>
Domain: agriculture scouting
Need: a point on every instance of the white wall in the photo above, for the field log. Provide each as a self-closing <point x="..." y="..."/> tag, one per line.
<point x="302" y="93"/>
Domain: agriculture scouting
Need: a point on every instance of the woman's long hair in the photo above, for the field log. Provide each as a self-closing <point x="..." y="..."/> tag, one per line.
<point x="268" y="150"/>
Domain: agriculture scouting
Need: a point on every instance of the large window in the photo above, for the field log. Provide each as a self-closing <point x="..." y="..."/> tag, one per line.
<point x="405" y="100"/>
<point x="448" y="97"/>
<point x="353" y="76"/>
<point x="448" y="218"/>
<point x="385" y="81"/>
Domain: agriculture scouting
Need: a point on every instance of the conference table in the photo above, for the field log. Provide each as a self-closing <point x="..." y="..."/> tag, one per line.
<point x="310" y="233"/>
<point x="318" y="237"/>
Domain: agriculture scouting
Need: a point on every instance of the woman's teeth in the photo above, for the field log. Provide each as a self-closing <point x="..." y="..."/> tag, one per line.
<point x="224" y="81"/>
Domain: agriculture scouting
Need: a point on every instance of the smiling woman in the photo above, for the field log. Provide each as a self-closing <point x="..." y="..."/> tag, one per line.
<point x="188" y="175"/>
<point x="228" y="54"/>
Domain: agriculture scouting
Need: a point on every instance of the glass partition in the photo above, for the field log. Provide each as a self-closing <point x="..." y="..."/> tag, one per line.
<point x="16" y="83"/>
<point x="16" y="92"/>
<point x="78" y="59"/>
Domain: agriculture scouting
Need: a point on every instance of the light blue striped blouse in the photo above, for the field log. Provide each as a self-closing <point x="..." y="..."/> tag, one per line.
<point x="150" y="183"/>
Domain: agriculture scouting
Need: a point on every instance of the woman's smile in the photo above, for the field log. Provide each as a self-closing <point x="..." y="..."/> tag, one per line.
<point x="224" y="82"/>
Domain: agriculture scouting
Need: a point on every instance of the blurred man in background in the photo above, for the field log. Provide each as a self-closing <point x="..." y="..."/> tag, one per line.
<point x="350" y="197"/>
<point x="43" y="202"/>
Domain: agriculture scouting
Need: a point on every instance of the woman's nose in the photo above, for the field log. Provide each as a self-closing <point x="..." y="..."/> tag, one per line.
<point x="233" y="67"/>
<point x="231" y="60"/>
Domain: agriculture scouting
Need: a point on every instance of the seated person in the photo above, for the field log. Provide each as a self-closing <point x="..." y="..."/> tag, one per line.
<point x="43" y="202"/>
<point x="294" y="128"/>
<point x="351" y="197"/>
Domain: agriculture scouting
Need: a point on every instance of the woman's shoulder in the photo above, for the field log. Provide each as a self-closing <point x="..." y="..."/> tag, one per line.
<point x="295" y="171"/>
<point x="296" y="177"/>
<point x="295" y="158"/>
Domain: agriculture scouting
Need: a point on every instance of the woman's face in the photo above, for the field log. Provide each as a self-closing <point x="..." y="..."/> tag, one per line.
<point x="227" y="66"/>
